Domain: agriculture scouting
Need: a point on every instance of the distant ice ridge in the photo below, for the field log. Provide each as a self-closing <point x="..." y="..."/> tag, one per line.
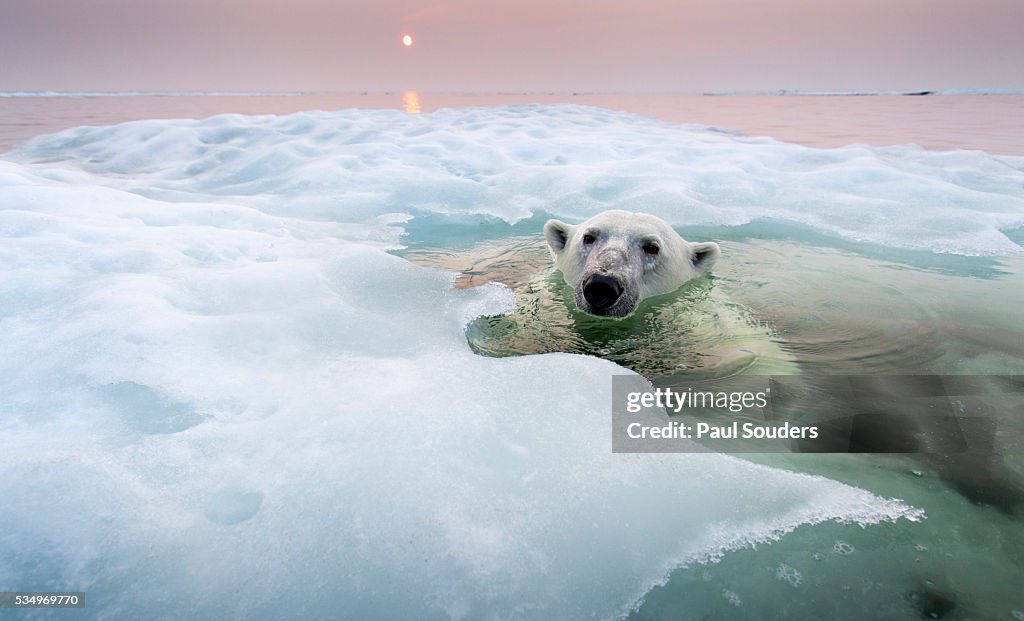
<point x="220" y="397"/>
<point x="841" y="93"/>
<point x="151" y="93"/>
<point x="572" y="161"/>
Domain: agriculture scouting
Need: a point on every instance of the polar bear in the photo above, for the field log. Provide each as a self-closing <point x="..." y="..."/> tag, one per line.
<point x="695" y="329"/>
<point x="617" y="258"/>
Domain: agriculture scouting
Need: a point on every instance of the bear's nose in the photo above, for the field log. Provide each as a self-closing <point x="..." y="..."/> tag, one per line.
<point x="601" y="292"/>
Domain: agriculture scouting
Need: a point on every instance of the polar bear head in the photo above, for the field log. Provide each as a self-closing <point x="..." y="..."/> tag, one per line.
<point x="618" y="258"/>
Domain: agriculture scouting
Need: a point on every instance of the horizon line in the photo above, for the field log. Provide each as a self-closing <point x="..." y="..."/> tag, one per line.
<point x="469" y="93"/>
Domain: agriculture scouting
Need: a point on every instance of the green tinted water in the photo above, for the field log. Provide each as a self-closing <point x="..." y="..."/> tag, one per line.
<point x="787" y="300"/>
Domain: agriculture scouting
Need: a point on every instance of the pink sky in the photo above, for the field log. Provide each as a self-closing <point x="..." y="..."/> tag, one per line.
<point x="515" y="45"/>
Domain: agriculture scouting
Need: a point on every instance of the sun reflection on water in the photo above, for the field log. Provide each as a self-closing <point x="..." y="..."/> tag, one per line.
<point x="411" y="102"/>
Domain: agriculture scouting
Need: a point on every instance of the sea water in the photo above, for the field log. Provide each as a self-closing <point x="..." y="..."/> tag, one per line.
<point x="223" y="394"/>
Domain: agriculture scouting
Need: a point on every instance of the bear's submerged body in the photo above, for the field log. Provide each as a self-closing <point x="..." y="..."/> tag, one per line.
<point x="694" y="330"/>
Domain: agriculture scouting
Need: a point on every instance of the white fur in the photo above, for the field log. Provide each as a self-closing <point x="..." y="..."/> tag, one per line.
<point x="618" y="252"/>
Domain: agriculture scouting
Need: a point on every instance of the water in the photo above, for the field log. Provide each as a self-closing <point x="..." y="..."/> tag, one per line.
<point x="216" y="372"/>
<point x="892" y="317"/>
<point x="895" y="314"/>
<point x="992" y="123"/>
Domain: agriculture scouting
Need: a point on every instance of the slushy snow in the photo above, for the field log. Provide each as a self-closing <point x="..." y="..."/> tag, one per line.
<point x="220" y="396"/>
<point x="570" y="161"/>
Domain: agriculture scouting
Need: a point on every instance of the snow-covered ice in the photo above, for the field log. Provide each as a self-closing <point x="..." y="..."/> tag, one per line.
<point x="215" y="380"/>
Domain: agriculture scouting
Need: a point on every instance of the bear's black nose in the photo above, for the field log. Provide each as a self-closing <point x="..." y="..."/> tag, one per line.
<point x="601" y="292"/>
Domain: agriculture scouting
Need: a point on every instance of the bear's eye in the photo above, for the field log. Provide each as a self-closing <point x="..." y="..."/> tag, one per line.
<point x="589" y="239"/>
<point x="651" y="249"/>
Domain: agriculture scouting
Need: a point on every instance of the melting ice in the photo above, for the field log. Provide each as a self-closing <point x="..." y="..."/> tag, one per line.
<point x="216" y="380"/>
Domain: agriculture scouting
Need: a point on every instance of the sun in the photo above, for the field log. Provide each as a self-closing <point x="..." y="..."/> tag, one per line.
<point x="407" y="41"/>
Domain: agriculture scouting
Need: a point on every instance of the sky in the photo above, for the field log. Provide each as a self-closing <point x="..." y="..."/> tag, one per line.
<point x="511" y="46"/>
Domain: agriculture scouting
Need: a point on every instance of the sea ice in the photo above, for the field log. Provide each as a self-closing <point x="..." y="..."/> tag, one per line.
<point x="221" y="396"/>
<point x="572" y="161"/>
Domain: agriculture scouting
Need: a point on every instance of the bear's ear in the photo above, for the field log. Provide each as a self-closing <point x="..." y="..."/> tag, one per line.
<point x="704" y="255"/>
<point x="557" y="233"/>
